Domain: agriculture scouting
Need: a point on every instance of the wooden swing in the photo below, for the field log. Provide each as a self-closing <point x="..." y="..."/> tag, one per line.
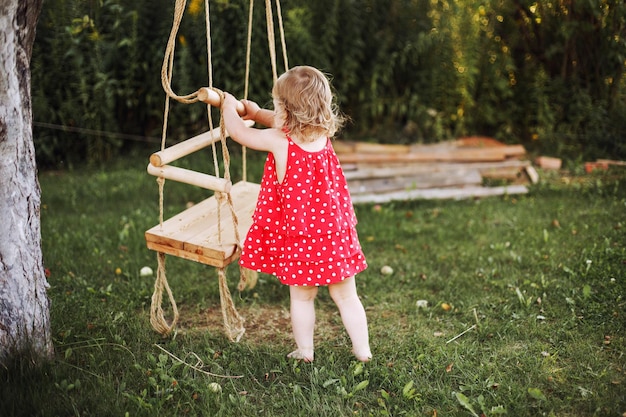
<point x="211" y="231"/>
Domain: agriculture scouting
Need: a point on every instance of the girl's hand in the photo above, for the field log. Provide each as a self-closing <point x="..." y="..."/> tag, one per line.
<point x="251" y="109"/>
<point x="229" y="101"/>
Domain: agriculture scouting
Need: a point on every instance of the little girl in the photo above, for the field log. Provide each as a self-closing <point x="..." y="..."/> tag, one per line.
<point x="304" y="226"/>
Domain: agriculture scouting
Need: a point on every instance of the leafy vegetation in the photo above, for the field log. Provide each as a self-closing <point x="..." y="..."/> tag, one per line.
<point x="500" y="306"/>
<point x="546" y="74"/>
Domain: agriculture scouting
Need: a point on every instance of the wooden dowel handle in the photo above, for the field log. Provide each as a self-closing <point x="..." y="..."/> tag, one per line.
<point x="188" y="146"/>
<point x="187" y="176"/>
<point x="208" y="96"/>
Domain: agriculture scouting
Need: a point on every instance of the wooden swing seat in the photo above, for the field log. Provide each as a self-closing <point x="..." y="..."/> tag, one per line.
<point x="194" y="234"/>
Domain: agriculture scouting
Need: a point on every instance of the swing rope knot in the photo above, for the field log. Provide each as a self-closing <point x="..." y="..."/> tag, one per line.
<point x="221" y="197"/>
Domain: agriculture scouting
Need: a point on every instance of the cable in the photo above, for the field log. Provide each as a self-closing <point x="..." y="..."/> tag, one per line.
<point x="72" y="129"/>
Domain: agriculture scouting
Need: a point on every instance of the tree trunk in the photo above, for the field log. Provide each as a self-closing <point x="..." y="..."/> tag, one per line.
<point x="24" y="304"/>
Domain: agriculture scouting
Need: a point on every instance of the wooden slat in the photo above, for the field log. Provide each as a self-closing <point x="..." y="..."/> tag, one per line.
<point x="342" y="146"/>
<point x="439" y="155"/>
<point x="440" y="193"/>
<point x="504" y="173"/>
<point x="612" y="162"/>
<point x="359" y="171"/>
<point x="461" y="177"/>
<point x="532" y="174"/>
<point x="377" y="148"/>
<point x="193" y="234"/>
<point x="229" y="255"/>
<point x="209" y="237"/>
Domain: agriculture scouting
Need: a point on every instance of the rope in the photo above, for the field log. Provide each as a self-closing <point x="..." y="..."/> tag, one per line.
<point x="269" y="20"/>
<point x="246" y="87"/>
<point x="233" y="322"/>
<point x="282" y="34"/>
<point x="227" y="197"/>
<point x="246" y="84"/>
<point x="157" y="315"/>
<point x="168" y="61"/>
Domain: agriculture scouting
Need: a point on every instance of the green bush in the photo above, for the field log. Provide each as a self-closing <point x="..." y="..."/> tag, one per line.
<point x="405" y="71"/>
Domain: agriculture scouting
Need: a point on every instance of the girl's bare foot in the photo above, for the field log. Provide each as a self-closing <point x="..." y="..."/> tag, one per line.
<point x="304" y="356"/>
<point x="364" y="356"/>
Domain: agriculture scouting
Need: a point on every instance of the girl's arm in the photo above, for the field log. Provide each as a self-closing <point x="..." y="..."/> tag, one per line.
<point x="268" y="140"/>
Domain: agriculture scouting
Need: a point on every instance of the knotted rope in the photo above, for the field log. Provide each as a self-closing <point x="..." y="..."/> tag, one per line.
<point x="233" y="322"/>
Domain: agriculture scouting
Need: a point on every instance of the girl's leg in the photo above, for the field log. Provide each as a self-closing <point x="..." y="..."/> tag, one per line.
<point x="353" y="316"/>
<point x="303" y="321"/>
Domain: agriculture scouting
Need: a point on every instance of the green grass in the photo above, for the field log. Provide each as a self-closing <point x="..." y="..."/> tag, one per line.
<point x="539" y="281"/>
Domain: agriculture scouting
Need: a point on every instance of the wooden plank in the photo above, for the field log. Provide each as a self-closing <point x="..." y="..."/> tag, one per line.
<point x="347" y="147"/>
<point x="504" y="173"/>
<point x="229" y="255"/>
<point x="478" y="141"/>
<point x="511" y="151"/>
<point x="359" y="171"/>
<point x="192" y="234"/>
<point x="462" y="146"/>
<point x="460" y="177"/>
<point x="443" y="155"/>
<point x="611" y="162"/>
<point x="208" y="237"/>
<point x="342" y="146"/>
<point x="378" y="148"/>
<point x="440" y="193"/>
<point x="428" y="147"/>
<point x="547" y="162"/>
<point x="183" y="226"/>
<point x="532" y="174"/>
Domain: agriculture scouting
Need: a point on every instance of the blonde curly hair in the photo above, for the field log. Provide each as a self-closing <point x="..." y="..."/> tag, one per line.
<point x="304" y="100"/>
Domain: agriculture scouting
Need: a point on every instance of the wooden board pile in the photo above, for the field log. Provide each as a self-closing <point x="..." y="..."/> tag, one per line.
<point x="457" y="169"/>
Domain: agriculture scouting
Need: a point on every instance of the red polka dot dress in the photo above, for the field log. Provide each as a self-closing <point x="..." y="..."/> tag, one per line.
<point x="304" y="229"/>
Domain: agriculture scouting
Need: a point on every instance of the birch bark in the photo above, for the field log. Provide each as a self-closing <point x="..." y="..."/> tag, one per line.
<point x="24" y="304"/>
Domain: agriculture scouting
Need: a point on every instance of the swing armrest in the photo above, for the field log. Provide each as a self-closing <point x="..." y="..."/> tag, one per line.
<point x="188" y="146"/>
<point x="208" y="96"/>
<point x="187" y="176"/>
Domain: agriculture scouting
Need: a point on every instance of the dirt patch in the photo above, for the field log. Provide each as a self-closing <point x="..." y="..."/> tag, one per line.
<point x="263" y="323"/>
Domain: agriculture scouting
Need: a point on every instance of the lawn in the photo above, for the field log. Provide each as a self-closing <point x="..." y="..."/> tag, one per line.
<point x="510" y="305"/>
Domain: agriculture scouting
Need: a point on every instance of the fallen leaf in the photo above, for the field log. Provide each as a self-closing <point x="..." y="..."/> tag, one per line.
<point x="536" y="394"/>
<point x="464" y="401"/>
<point x="449" y="367"/>
<point x="400" y="248"/>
